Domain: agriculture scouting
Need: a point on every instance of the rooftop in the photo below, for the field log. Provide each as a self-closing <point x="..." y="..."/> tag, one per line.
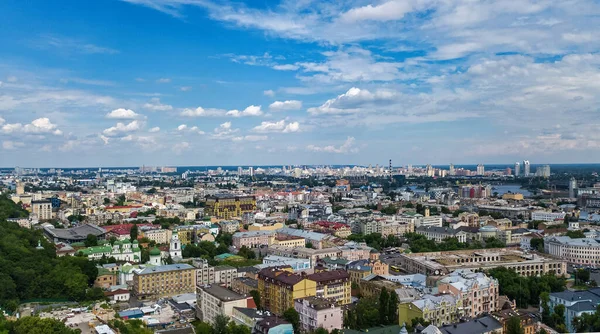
<point x="485" y="324"/>
<point x="221" y="293"/>
<point x="165" y="268"/>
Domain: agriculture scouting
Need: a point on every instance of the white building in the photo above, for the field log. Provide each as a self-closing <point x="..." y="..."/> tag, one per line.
<point x="583" y="251"/>
<point x="214" y="300"/>
<point x="43" y="209"/>
<point x="175" y="247"/>
<point x="547" y="216"/>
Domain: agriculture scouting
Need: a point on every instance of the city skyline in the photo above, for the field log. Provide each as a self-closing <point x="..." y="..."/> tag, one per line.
<point x="184" y="82"/>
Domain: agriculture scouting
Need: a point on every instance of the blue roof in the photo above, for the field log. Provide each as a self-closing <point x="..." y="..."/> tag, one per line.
<point x="129" y="313"/>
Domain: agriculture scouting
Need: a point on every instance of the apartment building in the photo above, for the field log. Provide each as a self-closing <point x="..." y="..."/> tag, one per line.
<point x="439" y="310"/>
<point x="396" y="228"/>
<point x="244" y="285"/>
<point x="306" y="253"/>
<point x="439" y="234"/>
<point x="478" y="292"/>
<point x="160" y="236"/>
<point x="43" y="209"/>
<point x="547" y="216"/>
<point x="225" y="275"/>
<point x="214" y="300"/>
<point x="316" y="312"/>
<point x="205" y="273"/>
<point x="288" y="241"/>
<point x="252" y="239"/>
<point x="333" y="285"/>
<point x="226" y="206"/>
<point x="161" y="281"/>
<point x="279" y="288"/>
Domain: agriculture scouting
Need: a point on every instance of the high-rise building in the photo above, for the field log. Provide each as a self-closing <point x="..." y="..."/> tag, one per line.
<point x="251" y="171"/>
<point x="452" y="172"/>
<point x="480" y="169"/>
<point x="572" y="187"/>
<point x="429" y="171"/>
<point x="543" y="171"/>
<point x="517" y="169"/>
<point x="526" y="168"/>
<point x="240" y="171"/>
<point x="43" y="209"/>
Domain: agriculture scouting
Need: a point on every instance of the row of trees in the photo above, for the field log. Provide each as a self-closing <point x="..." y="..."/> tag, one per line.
<point x="419" y="243"/>
<point x="34" y="325"/>
<point x="526" y="290"/>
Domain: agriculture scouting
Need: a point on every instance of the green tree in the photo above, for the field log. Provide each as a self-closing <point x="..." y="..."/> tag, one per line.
<point x="106" y="201"/>
<point x="133" y="233"/>
<point x="91" y="240"/>
<point x="256" y="296"/>
<point x="393" y="308"/>
<point x="292" y="316"/>
<point x="203" y="328"/>
<point x="309" y="245"/>
<point x="384" y="298"/>
<point x="121" y="200"/>
<point x="575" y="234"/>
<point x="36" y="325"/>
<point x="220" y="324"/>
<point x="513" y="326"/>
<point x="320" y="330"/>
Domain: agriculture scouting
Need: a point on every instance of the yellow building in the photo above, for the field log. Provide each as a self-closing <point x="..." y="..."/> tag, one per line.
<point x="261" y="227"/>
<point x="513" y="196"/>
<point x="279" y="288"/>
<point x="439" y="310"/>
<point x="167" y="280"/>
<point x="229" y="206"/>
<point x="289" y="241"/>
<point x="334" y="285"/>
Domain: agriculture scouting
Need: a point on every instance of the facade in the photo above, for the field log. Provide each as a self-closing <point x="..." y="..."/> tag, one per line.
<point x="230" y="226"/>
<point x="244" y="285"/>
<point x="318" y="312"/>
<point x="279" y="261"/>
<point x="583" y="251"/>
<point x="396" y="228"/>
<point x="43" y="209"/>
<point x="306" y="253"/>
<point x="478" y="292"/>
<point x="229" y="206"/>
<point x="517" y="169"/>
<point x="205" y="272"/>
<point x="105" y="279"/>
<point x="175" y="247"/>
<point x="167" y="280"/>
<point x="225" y="275"/>
<point x="526" y="168"/>
<point x="214" y="300"/>
<point x="576" y="303"/>
<point x="288" y="241"/>
<point x="334" y="285"/>
<point x="316" y="239"/>
<point x="160" y="236"/>
<point x="443" y="263"/>
<point x="547" y="216"/>
<point x="439" y="234"/>
<point x="439" y="310"/>
<point x="252" y="239"/>
<point x="273" y="325"/>
<point x="279" y="288"/>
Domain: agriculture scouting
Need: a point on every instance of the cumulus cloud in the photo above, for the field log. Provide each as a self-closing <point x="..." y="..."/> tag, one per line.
<point x="163" y="80"/>
<point x="352" y="101"/>
<point x="387" y="11"/>
<point x="224" y="131"/>
<point x="122" y="129"/>
<point x="122" y="113"/>
<point x="37" y="126"/>
<point x="280" y="126"/>
<point x="269" y="92"/>
<point x="181" y="147"/>
<point x="2" y="121"/>
<point x="249" y="111"/>
<point x="12" y="145"/>
<point x="154" y="129"/>
<point x="201" y="112"/>
<point x="285" y="105"/>
<point x="346" y="147"/>
<point x="286" y="67"/>
<point x="185" y="88"/>
<point x="156" y="105"/>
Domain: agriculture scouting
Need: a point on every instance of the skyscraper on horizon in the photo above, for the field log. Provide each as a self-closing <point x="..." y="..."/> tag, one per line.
<point x="480" y="169"/>
<point x="517" y="169"/>
<point x="526" y="168"/>
<point x="572" y="187"/>
<point x="452" y="172"/>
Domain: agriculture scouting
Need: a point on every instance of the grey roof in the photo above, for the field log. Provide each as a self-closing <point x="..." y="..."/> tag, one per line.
<point x="302" y="233"/>
<point x="221" y="293"/>
<point x="250" y="312"/>
<point x="185" y="330"/>
<point x="165" y="268"/>
<point x="248" y="281"/>
<point x="75" y="233"/>
<point x="592" y="295"/>
<point x="482" y="325"/>
<point x="437" y="229"/>
<point x="583" y="307"/>
<point x="224" y="267"/>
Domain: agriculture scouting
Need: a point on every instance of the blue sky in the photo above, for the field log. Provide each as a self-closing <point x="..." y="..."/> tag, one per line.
<point x="208" y="82"/>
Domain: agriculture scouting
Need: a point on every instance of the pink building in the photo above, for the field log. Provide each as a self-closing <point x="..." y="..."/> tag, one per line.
<point x="478" y="292"/>
<point x="318" y="312"/>
<point x="251" y="239"/>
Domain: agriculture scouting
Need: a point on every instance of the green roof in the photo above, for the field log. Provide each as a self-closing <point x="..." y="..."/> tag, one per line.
<point x="96" y="250"/>
<point x="155" y="251"/>
<point x="102" y="271"/>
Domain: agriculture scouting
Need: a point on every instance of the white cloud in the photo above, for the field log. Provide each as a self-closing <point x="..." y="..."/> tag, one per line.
<point x="12" y="78"/>
<point x="387" y="11"/>
<point x="286" y="67"/>
<point x="201" y="112"/>
<point x="224" y="131"/>
<point x="181" y="147"/>
<point x="352" y="101"/>
<point x="285" y="105"/>
<point x="37" y="126"/>
<point x="250" y="138"/>
<point x="185" y="88"/>
<point x="185" y="128"/>
<point x="70" y="45"/>
<point x="156" y="105"/>
<point x="154" y="129"/>
<point x="346" y="147"/>
<point x="123" y="113"/>
<point x="280" y="126"/>
<point x="121" y="129"/>
<point x="182" y="127"/>
<point x="249" y="111"/>
<point x="269" y="92"/>
<point x="2" y="121"/>
<point x="12" y="145"/>
<point x="163" y="80"/>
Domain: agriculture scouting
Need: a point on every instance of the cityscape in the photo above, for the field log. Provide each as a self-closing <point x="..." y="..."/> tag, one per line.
<point x="299" y="167"/>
